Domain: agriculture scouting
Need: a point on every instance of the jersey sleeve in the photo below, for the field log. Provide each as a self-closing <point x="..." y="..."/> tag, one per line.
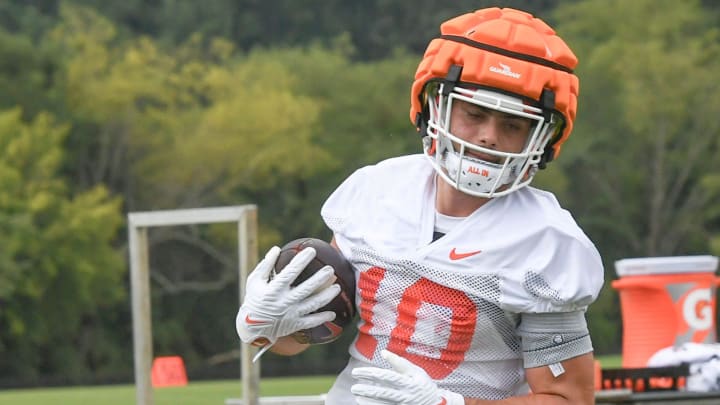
<point x="552" y="337"/>
<point x="341" y="211"/>
<point x="563" y="273"/>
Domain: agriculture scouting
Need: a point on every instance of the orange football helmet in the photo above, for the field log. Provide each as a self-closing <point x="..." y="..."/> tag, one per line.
<point x="500" y="59"/>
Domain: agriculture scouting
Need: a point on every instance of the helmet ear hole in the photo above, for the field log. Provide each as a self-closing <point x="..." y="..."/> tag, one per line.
<point x="429" y="93"/>
<point x="549" y="152"/>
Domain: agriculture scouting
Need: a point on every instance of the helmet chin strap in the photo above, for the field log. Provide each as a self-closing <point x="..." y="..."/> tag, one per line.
<point x="547" y="103"/>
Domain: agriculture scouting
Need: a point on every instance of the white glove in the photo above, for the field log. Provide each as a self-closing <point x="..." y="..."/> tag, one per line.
<point x="273" y="309"/>
<point x="405" y="384"/>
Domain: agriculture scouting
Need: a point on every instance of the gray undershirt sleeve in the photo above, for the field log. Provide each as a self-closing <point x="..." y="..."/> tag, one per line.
<point x="549" y="338"/>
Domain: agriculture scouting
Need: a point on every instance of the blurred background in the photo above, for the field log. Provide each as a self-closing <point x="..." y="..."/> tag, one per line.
<point x="110" y="107"/>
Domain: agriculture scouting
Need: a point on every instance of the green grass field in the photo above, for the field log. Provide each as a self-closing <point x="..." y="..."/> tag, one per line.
<point x="195" y="393"/>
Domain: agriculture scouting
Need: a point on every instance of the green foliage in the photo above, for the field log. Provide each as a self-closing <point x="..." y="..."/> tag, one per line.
<point x="647" y="133"/>
<point x="362" y="118"/>
<point x="31" y="18"/>
<point x="49" y="291"/>
<point x="376" y="27"/>
<point x="162" y="108"/>
<point x="662" y="138"/>
<point x="711" y="183"/>
<point x="27" y="74"/>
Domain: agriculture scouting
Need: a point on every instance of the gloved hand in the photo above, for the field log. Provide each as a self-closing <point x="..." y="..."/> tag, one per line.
<point x="404" y="384"/>
<point x="273" y="309"/>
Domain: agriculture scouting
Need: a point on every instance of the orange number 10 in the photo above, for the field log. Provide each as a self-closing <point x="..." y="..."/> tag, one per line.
<point x="461" y="326"/>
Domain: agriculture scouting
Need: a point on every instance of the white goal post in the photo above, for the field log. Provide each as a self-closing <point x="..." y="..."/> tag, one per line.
<point x="138" y="223"/>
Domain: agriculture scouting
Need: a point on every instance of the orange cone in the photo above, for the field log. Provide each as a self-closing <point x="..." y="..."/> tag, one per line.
<point x="168" y="371"/>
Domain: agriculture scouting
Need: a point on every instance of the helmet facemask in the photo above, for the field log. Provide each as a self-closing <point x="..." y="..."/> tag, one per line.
<point x="453" y="159"/>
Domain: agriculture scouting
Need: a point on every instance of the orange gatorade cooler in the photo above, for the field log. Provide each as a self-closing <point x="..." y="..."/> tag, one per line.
<point x="665" y="301"/>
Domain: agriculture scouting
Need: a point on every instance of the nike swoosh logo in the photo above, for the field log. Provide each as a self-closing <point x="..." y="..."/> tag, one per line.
<point x="251" y="321"/>
<point x="335" y="330"/>
<point x="457" y="256"/>
<point x="443" y="402"/>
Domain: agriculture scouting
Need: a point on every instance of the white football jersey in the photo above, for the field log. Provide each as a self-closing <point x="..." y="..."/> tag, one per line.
<point x="452" y="306"/>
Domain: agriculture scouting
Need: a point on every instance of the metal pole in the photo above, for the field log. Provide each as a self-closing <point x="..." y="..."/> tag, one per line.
<point x="141" y="317"/>
<point x="248" y="257"/>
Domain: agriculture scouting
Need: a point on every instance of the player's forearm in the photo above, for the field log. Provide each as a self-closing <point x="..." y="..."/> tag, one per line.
<point x="288" y="346"/>
<point x="534" y="399"/>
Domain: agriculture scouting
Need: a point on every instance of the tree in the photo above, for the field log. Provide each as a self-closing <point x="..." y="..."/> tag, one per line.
<point x="58" y="269"/>
<point x="28" y="71"/>
<point x="376" y="27"/>
<point x="198" y="125"/>
<point x="653" y="121"/>
<point x="646" y="133"/>
<point x="712" y="184"/>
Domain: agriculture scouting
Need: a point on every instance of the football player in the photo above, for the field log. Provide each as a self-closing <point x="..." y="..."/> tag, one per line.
<point x="472" y="286"/>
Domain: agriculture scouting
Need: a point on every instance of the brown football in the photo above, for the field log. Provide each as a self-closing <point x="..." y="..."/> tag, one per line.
<point x="343" y="304"/>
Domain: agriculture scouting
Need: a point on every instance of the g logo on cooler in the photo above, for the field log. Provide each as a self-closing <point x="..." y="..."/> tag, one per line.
<point x="698" y="318"/>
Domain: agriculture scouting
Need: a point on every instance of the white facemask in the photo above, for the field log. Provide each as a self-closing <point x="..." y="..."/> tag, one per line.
<point x="472" y="175"/>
